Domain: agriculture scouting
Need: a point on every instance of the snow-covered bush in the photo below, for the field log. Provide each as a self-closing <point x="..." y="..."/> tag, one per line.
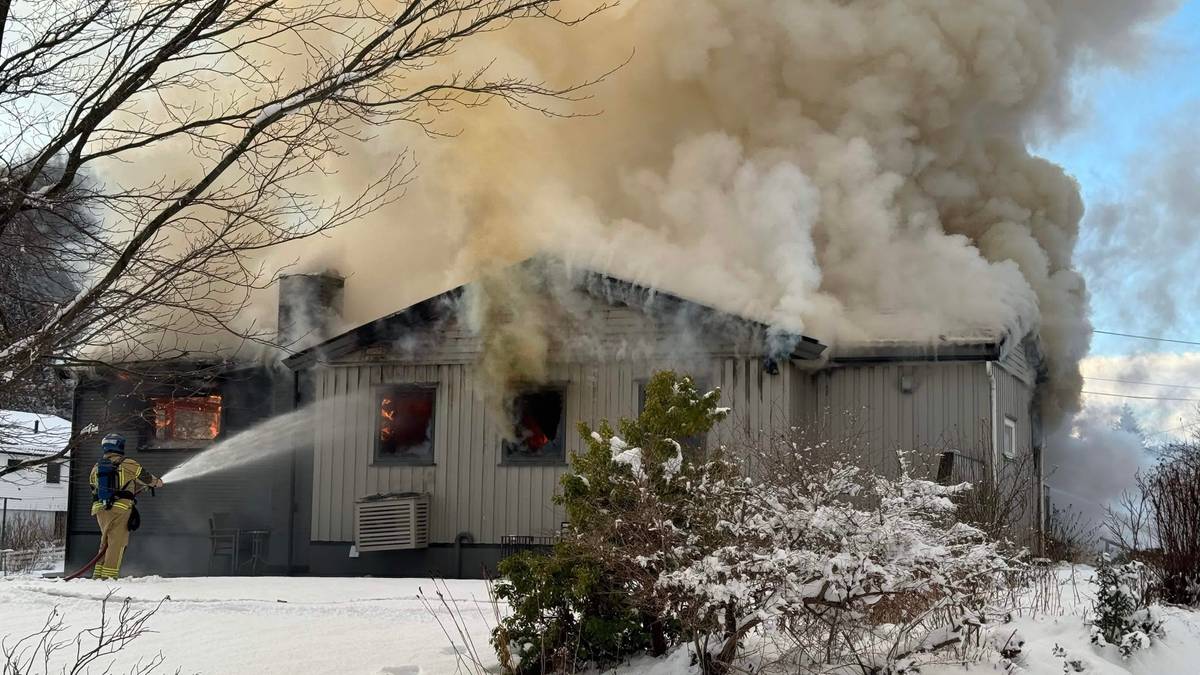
<point x="1123" y="617"/>
<point x="858" y="569"/>
<point x="595" y="598"/>
<point x="680" y="546"/>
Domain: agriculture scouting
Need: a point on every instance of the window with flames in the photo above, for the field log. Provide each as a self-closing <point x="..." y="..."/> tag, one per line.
<point x="189" y="418"/>
<point x="537" y="428"/>
<point x="405" y="425"/>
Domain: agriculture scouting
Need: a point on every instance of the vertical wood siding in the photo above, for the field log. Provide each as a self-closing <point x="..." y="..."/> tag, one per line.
<point x="1014" y="398"/>
<point x="949" y="409"/>
<point x="471" y="490"/>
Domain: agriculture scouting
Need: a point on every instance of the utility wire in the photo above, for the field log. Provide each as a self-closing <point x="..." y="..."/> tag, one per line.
<point x="1143" y="398"/>
<point x="1149" y="384"/>
<point x="1146" y="337"/>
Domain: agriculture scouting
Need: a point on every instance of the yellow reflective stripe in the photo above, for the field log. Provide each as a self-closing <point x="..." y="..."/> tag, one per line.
<point x="123" y="505"/>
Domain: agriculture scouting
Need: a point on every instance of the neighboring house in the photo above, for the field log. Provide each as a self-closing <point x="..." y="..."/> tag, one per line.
<point x="38" y="494"/>
<point x="400" y="406"/>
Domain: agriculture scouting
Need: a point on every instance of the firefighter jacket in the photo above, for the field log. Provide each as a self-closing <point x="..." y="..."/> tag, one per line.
<point x="130" y="475"/>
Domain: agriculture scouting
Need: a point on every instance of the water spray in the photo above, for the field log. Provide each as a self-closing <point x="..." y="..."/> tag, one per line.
<point x="266" y="439"/>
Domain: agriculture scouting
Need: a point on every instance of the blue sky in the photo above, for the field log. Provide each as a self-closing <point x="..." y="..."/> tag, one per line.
<point x="1136" y="154"/>
<point x="1127" y="114"/>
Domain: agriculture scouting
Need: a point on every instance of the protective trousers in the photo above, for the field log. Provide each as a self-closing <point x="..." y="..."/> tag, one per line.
<point x="114" y="533"/>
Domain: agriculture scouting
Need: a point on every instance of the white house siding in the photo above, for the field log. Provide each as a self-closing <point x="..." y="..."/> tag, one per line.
<point x="29" y="490"/>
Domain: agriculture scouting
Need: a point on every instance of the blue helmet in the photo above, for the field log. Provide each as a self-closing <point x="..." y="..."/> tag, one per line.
<point x="113" y="443"/>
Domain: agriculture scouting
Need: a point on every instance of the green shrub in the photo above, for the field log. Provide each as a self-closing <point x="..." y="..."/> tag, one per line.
<point x="593" y="600"/>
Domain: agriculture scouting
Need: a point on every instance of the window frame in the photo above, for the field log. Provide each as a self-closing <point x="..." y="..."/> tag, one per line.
<point x="1008" y="438"/>
<point x="153" y="442"/>
<point x="57" y="473"/>
<point x="560" y="439"/>
<point x="377" y="393"/>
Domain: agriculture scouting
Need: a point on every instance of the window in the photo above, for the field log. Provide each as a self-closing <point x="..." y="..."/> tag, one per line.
<point x="186" y="419"/>
<point x="405" y="425"/>
<point x="699" y="442"/>
<point x="13" y="462"/>
<point x="537" y="428"/>
<point x="1008" y="442"/>
<point x="945" y="472"/>
<point x="54" y="472"/>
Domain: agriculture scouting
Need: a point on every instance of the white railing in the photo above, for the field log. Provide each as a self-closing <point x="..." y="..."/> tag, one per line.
<point x="15" y="562"/>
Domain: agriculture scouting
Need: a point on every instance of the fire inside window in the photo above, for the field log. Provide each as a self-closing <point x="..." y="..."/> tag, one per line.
<point x="191" y="418"/>
<point x="537" y="428"/>
<point x="406" y="425"/>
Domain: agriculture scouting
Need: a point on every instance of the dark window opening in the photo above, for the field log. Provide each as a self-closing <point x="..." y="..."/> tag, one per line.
<point x="406" y="425"/>
<point x="13" y="462"/>
<point x="946" y="468"/>
<point x="54" y="472"/>
<point x="537" y="428"/>
<point x="697" y="443"/>
<point x="190" y="418"/>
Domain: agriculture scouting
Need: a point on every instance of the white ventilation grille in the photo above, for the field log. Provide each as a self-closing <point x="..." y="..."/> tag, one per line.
<point x="392" y="522"/>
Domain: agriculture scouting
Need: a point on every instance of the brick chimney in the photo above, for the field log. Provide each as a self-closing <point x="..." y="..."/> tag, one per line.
<point x="309" y="307"/>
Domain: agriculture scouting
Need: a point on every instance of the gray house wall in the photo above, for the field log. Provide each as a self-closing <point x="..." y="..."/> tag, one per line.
<point x="472" y="490"/>
<point x="947" y="409"/>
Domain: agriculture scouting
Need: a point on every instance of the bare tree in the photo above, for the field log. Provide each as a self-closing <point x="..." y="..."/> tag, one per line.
<point x="87" y="648"/>
<point x="254" y="93"/>
<point x="1129" y="522"/>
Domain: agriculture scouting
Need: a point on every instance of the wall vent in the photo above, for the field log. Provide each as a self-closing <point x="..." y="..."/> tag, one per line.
<point x="390" y="522"/>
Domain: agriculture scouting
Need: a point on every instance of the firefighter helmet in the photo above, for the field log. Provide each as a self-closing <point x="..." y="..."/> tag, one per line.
<point x="113" y="443"/>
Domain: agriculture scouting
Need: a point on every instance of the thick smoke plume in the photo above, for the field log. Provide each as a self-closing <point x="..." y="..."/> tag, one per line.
<point x="853" y="170"/>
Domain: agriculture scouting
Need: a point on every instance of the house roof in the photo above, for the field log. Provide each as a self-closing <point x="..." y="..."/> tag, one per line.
<point x="616" y="292"/>
<point x="26" y="433"/>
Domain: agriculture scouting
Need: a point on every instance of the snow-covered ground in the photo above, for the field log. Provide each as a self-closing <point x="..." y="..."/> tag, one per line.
<point x="380" y="627"/>
<point x="265" y="624"/>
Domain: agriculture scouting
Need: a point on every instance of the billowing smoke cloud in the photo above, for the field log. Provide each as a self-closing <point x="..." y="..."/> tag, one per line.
<point x="1090" y="462"/>
<point x="1140" y="254"/>
<point x="852" y="170"/>
<point x="1165" y="413"/>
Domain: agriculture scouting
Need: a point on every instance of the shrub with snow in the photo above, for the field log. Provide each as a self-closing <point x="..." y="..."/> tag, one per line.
<point x="595" y="600"/>
<point x="1123" y="617"/>
<point x="857" y="569"/>
<point x="681" y="547"/>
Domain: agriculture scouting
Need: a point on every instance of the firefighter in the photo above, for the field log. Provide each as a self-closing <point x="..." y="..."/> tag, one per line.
<point x="115" y="480"/>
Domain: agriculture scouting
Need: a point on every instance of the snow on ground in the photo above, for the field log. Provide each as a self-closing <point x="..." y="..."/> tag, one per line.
<point x="265" y="624"/>
<point x="380" y="627"/>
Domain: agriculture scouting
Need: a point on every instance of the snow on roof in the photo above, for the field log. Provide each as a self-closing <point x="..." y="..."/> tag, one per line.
<point x="32" y="433"/>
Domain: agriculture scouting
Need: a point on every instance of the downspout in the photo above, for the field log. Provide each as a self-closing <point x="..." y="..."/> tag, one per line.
<point x="459" y="540"/>
<point x="991" y="373"/>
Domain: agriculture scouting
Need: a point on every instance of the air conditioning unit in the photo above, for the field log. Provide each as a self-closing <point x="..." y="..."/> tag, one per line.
<point x="389" y="522"/>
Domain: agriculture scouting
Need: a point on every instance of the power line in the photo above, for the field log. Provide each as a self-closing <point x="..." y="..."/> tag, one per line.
<point x="1150" y="384"/>
<point x="1140" y="398"/>
<point x="1146" y="337"/>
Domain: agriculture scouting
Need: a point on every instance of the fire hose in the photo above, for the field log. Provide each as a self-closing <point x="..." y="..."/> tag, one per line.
<point x="99" y="554"/>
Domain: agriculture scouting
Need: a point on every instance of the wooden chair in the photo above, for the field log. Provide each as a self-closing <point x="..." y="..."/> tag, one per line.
<point x="224" y="539"/>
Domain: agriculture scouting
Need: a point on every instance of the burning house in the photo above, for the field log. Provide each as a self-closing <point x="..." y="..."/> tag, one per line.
<point x="439" y="433"/>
